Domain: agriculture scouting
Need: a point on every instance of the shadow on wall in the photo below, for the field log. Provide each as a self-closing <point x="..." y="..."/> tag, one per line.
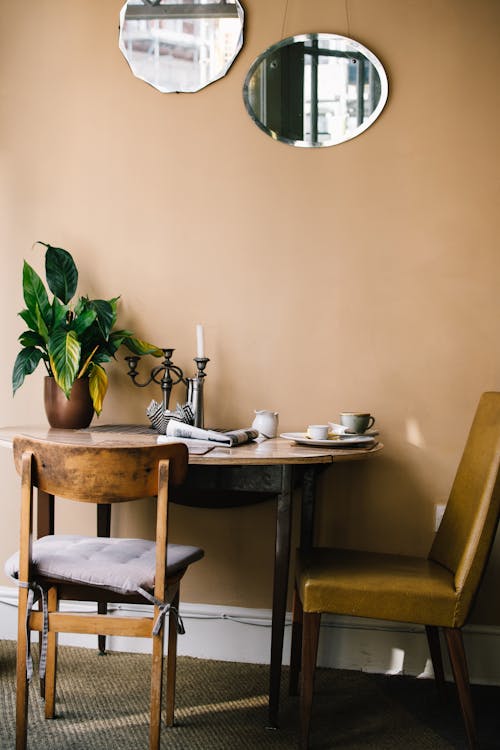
<point x="380" y="506"/>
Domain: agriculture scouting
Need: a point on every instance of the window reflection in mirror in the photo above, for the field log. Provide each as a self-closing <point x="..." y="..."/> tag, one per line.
<point x="315" y="90"/>
<point x="180" y="45"/>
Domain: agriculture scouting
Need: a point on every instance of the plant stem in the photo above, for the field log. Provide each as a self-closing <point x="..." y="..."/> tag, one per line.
<point x="87" y="362"/>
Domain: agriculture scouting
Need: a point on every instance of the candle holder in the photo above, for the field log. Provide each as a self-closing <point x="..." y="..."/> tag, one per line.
<point x="167" y="375"/>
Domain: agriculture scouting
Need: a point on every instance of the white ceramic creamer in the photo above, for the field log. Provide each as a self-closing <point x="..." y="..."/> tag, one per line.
<point x="266" y="422"/>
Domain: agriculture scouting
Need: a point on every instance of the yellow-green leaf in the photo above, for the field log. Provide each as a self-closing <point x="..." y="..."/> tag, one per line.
<point x="64" y="351"/>
<point x="137" y="346"/>
<point x="98" y="385"/>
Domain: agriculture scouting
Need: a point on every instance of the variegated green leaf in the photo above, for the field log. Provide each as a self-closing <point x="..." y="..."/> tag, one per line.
<point x="81" y="305"/>
<point x="59" y="313"/>
<point x="101" y="355"/>
<point x="29" y="318"/>
<point x="114" y="304"/>
<point x="64" y="350"/>
<point x="116" y="339"/>
<point x="31" y="338"/>
<point x="34" y="292"/>
<point x="106" y="315"/>
<point x="83" y="321"/>
<point x="137" y="346"/>
<point x="41" y="325"/>
<point x="25" y="364"/>
<point x="98" y="385"/>
<point x="123" y="332"/>
<point x="62" y="276"/>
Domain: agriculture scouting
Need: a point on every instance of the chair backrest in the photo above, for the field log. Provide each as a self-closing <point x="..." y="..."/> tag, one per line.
<point x="100" y="474"/>
<point x="467" y="531"/>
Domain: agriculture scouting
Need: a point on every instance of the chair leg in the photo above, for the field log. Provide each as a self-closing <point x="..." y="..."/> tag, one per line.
<point x="156" y="687"/>
<point x="432" y="633"/>
<point x="50" y="672"/>
<point x="103" y="529"/>
<point x="296" y="648"/>
<point x="458" y="661"/>
<point x="21" y="678"/>
<point x="172" y="662"/>
<point x="102" y="609"/>
<point x="310" y="638"/>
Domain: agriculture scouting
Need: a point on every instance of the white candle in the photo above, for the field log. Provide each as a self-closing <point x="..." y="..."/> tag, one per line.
<point x="200" y="345"/>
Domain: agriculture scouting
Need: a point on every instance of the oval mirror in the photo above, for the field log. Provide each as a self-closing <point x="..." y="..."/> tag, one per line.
<point x="315" y="90"/>
<point x="180" y="45"/>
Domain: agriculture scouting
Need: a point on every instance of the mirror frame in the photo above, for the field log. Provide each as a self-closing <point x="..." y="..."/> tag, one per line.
<point x="373" y="59"/>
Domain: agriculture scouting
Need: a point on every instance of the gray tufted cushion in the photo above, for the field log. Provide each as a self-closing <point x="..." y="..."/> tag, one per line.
<point x="121" y="565"/>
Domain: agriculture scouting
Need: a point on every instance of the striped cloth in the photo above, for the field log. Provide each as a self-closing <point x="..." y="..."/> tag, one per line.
<point x="160" y="418"/>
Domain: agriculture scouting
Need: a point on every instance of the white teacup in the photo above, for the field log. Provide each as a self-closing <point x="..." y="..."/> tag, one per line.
<point x="318" y="431"/>
<point x="356" y="421"/>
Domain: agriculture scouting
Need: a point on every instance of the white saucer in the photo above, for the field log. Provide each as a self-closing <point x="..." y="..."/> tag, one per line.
<point x="340" y="441"/>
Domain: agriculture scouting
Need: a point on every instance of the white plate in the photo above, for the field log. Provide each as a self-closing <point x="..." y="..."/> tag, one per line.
<point x="339" y="442"/>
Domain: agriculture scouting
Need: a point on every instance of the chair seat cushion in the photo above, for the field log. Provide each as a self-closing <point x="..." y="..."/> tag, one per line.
<point x="121" y="565"/>
<point x="377" y="585"/>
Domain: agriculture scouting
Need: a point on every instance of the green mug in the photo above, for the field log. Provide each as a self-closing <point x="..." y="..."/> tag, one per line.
<point x="356" y="422"/>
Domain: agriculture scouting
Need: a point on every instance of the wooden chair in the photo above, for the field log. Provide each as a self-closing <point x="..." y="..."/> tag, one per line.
<point x="94" y="569"/>
<point x="437" y="591"/>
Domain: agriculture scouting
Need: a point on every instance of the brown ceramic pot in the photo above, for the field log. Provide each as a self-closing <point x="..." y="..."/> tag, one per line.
<point x="74" y="412"/>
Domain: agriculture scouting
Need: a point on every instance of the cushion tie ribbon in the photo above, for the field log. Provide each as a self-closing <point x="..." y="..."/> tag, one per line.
<point x="34" y="587"/>
<point x="164" y="609"/>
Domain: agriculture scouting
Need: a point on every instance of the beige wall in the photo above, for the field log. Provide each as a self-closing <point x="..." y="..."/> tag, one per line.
<point x="363" y="276"/>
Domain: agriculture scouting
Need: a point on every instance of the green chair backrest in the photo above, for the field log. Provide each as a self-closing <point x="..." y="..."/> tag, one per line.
<point x="467" y="531"/>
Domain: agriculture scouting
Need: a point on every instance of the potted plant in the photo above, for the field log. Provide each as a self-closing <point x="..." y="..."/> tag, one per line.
<point x="73" y="338"/>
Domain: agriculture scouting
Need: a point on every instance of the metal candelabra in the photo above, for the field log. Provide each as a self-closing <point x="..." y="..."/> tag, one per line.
<point x="166" y="375"/>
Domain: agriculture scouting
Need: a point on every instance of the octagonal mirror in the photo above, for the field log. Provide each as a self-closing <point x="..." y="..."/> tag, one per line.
<point x="315" y="90"/>
<point x="180" y="45"/>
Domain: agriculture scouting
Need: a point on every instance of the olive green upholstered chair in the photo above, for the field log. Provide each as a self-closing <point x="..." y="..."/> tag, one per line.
<point x="436" y="591"/>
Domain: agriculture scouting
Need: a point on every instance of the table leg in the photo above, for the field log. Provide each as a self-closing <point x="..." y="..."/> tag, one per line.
<point x="103" y="529"/>
<point x="281" y="566"/>
<point x="307" y="508"/>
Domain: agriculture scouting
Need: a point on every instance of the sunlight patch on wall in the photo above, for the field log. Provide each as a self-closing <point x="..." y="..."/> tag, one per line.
<point x="397" y="661"/>
<point x="414" y="434"/>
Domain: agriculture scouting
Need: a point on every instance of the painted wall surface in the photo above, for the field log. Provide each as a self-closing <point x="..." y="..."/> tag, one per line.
<point x="358" y="277"/>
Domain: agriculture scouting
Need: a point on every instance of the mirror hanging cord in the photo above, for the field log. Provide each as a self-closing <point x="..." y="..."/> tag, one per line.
<point x="347" y="18"/>
<point x="284" y="20"/>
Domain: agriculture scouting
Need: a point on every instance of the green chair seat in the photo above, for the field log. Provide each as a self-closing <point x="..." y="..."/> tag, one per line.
<point x="376" y="585"/>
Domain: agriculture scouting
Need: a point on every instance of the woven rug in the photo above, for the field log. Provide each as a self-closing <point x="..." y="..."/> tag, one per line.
<point x="103" y="704"/>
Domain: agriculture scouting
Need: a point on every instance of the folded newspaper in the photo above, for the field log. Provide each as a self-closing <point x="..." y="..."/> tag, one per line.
<point x="231" y="438"/>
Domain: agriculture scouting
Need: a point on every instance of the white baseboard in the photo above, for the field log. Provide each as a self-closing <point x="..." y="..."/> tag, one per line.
<point x="244" y="635"/>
